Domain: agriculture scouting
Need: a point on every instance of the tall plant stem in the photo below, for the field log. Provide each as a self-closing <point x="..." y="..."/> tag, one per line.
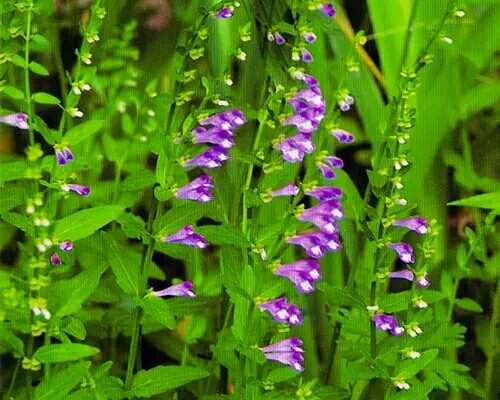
<point x="27" y="89"/>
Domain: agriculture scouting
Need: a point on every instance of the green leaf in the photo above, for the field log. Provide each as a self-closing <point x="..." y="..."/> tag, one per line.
<point x="161" y="379"/>
<point x="58" y="353"/>
<point x="38" y="69"/>
<point x="45" y="98"/>
<point x="13" y="92"/>
<point x="223" y="235"/>
<point x="488" y="200"/>
<point x="83" y="131"/>
<point x="159" y="310"/>
<point x="58" y="386"/>
<point x="177" y="217"/>
<point x="19" y="221"/>
<point x="125" y="269"/>
<point x="11" y="341"/>
<point x="85" y="222"/>
<point x="468" y="304"/>
<point x="409" y="368"/>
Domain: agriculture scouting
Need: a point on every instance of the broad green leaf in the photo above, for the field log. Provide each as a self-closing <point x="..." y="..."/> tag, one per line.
<point x="488" y="200"/>
<point x="58" y="353"/>
<point x="19" y="221"/>
<point x="409" y="368"/>
<point x="223" y="235"/>
<point x="85" y="222"/>
<point x="58" y="386"/>
<point x="468" y="304"/>
<point x="177" y="217"/>
<point x="83" y="131"/>
<point x="11" y="171"/>
<point x="159" y="310"/>
<point x="161" y="379"/>
<point x="11" y="341"/>
<point x="125" y="268"/>
<point x="45" y="98"/>
<point x="13" y="92"/>
<point x="38" y="69"/>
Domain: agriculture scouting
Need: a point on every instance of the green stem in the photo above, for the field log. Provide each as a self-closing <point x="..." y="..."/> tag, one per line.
<point x="13" y="379"/>
<point x="493" y="347"/>
<point x="27" y="89"/>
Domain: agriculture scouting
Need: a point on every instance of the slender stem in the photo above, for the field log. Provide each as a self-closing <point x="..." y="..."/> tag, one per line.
<point x="13" y="379"/>
<point x="27" y="89"/>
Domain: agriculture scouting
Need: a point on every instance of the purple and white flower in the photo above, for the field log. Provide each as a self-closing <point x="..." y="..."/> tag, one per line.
<point x="225" y="12"/>
<point x="289" y="190"/>
<point x="309" y="37"/>
<point x="307" y="56"/>
<point x="63" y="155"/>
<point x="67" y="245"/>
<point x="422" y="280"/>
<point x="279" y="39"/>
<point x="282" y="311"/>
<point x="345" y="102"/>
<point x="200" y="190"/>
<point x="183" y="289"/>
<point x="404" y="252"/>
<point x="288" y="352"/>
<point x="225" y="120"/>
<point x="328" y="9"/>
<point x="325" y="222"/>
<point x="55" y="259"/>
<point x="294" y="148"/>
<point x="388" y="323"/>
<point x="211" y="158"/>
<point x="327" y="165"/>
<point x="186" y="236"/>
<point x="215" y="135"/>
<point x="325" y="193"/>
<point x="403" y="274"/>
<point x="78" y="189"/>
<point x="330" y="207"/>
<point x="18" y="120"/>
<point x="343" y="136"/>
<point x="416" y="224"/>
<point x="302" y="273"/>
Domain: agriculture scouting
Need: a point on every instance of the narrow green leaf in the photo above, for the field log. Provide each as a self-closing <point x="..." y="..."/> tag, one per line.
<point x="409" y="368"/>
<point x="58" y="353"/>
<point x="83" y="131"/>
<point x="85" y="222"/>
<point x="223" y="235"/>
<point x="11" y="341"/>
<point x="468" y="304"/>
<point x="488" y="200"/>
<point x="38" y="69"/>
<point x="19" y="221"/>
<point x="45" y="98"/>
<point x="13" y="92"/>
<point x="58" y="386"/>
<point x="159" y="310"/>
<point x="161" y="379"/>
<point x="125" y="269"/>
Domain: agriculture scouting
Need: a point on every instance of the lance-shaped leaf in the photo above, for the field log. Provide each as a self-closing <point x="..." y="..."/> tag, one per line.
<point x="409" y="368"/>
<point x="83" y="131"/>
<point x="58" y="353"/>
<point x="125" y="268"/>
<point x="58" y="386"/>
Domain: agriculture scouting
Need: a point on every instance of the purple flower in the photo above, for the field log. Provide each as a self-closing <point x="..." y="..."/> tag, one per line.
<point x="316" y="244"/>
<point x="63" y="155"/>
<point x="294" y="148"/>
<point x="183" y="289"/>
<point x="67" y="245"/>
<point x="416" y="224"/>
<point x="303" y="273"/>
<point x="343" y="136"/>
<point x="345" y="103"/>
<point x="403" y="274"/>
<point x="309" y="37"/>
<point x="328" y="164"/>
<point x="78" y="189"/>
<point x="325" y="222"/>
<point x="226" y="120"/>
<point x="289" y="190"/>
<point x="288" y="352"/>
<point x="282" y="311"/>
<point x="279" y="39"/>
<point x="19" y="120"/>
<point x="186" y="236"/>
<point x="387" y="323"/>
<point x="310" y="81"/>
<point x="307" y="57"/>
<point x="198" y="190"/>
<point x="327" y="9"/>
<point x="325" y="193"/>
<point x="211" y="158"/>
<point x="330" y="207"/>
<point x="404" y="251"/>
<point x="225" y="12"/>
<point x="55" y="259"/>
<point x="214" y="135"/>
<point x="423" y="280"/>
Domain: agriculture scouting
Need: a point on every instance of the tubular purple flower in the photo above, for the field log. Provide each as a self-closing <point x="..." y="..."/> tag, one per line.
<point x="330" y="207"/>
<point x="416" y="224"/>
<point x="388" y="323"/>
<point x="403" y="274"/>
<point x="214" y="135"/>
<point x="282" y="311"/>
<point x="226" y="120"/>
<point x="78" y="189"/>
<point x="225" y="12"/>
<point x="423" y="280"/>
<point x="18" y="120"/>
<point x="211" y="158"/>
<point x="303" y="274"/>
<point x="294" y="148"/>
<point x="55" y="259"/>
<point x="404" y="251"/>
<point x="63" y="155"/>
<point x="288" y="352"/>
<point x="343" y="136"/>
<point x="279" y="39"/>
<point x="328" y="9"/>
<point x="325" y="193"/>
<point x="289" y="190"/>
<point x="345" y="103"/>
<point x="183" y="289"/>
<point x="309" y="37"/>
<point x="316" y="244"/>
<point x="67" y="245"/>
<point x="307" y="57"/>
<point x="325" y="222"/>
<point x="328" y="164"/>
<point x="186" y="236"/>
<point x="200" y="189"/>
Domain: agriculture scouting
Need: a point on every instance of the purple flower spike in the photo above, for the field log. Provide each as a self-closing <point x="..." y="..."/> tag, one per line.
<point x="225" y="13"/>
<point x="325" y="222"/>
<point x="288" y="352"/>
<point x="423" y="280"/>
<point x="311" y="243"/>
<point x="214" y="135"/>
<point x="416" y="224"/>
<point x="18" y="120"/>
<point x="282" y="311"/>
<point x="307" y="57"/>
<point x="279" y="39"/>
<point x="330" y="207"/>
<point x="63" y="155"/>
<point x="67" y="245"/>
<point x="78" y="189"/>
<point x="188" y="237"/>
<point x="387" y="323"/>
<point x="294" y="148"/>
<point x="404" y="274"/>
<point x="211" y="158"/>
<point x="309" y="37"/>
<point x="303" y="274"/>
<point x="55" y="259"/>
<point x="183" y="289"/>
<point x="327" y="166"/>
<point x="289" y="190"/>
<point x="200" y="189"/>
<point x="325" y="193"/>
<point x="343" y="136"/>
<point x="404" y="251"/>
<point x="226" y="120"/>
<point x="328" y="10"/>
